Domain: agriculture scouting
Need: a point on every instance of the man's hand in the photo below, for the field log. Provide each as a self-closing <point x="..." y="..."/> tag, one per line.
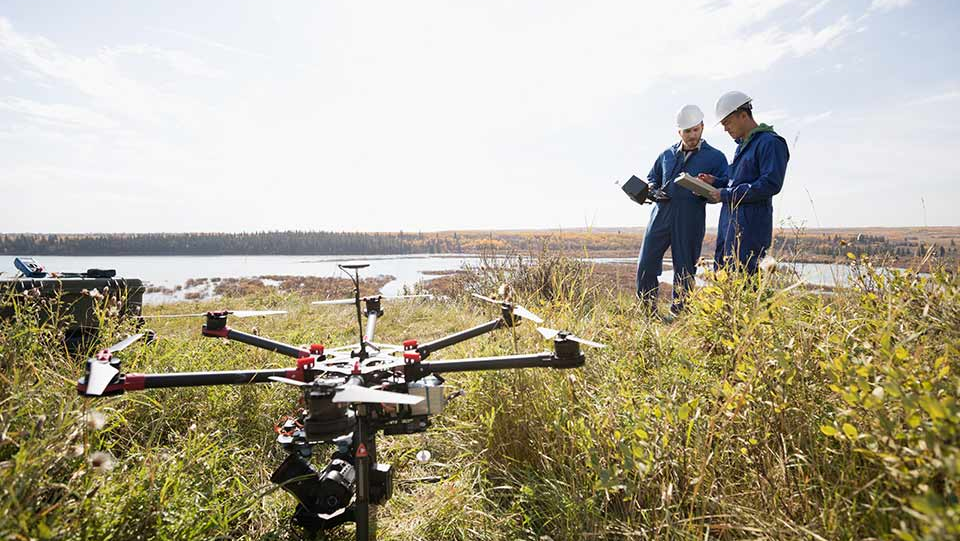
<point x="713" y="197"/>
<point x="708" y="178"/>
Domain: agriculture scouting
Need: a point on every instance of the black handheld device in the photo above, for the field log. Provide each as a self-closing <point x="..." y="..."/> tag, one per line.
<point x="636" y="189"/>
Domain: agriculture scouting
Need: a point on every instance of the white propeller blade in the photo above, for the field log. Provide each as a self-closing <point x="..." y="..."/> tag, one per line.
<point x="335" y="301"/>
<point x="488" y="299"/>
<point x="254" y="313"/>
<point x="288" y="381"/>
<point x="548" y="333"/>
<point x="552" y="333"/>
<point x="101" y="374"/>
<point x="119" y="346"/>
<point x="385" y="297"/>
<point x="587" y="342"/>
<point x="357" y="393"/>
<point x="237" y="313"/>
<point x="520" y="311"/>
<point x="172" y="316"/>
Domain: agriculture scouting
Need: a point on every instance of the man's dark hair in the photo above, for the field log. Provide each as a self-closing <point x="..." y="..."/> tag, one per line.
<point x="746" y="108"/>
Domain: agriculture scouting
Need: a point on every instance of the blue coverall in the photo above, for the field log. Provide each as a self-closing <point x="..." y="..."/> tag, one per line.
<point x="677" y="224"/>
<point x="746" y="219"/>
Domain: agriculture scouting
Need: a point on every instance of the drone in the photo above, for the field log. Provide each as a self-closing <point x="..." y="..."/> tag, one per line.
<point x="350" y="393"/>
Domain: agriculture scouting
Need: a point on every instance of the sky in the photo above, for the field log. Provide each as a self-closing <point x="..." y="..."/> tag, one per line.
<point x="419" y="116"/>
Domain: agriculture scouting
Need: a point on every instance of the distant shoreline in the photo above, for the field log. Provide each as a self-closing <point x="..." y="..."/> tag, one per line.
<point x="900" y="246"/>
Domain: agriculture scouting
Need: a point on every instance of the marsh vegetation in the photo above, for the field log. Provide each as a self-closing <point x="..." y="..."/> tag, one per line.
<point x="764" y="412"/>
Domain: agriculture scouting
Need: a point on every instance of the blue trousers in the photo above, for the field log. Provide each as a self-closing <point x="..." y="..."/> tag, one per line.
<point x="679" y="226"/>
<point x="744" y="235"/>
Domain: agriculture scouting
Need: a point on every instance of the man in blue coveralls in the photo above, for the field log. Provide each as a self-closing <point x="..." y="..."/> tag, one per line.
<point x="755" y="176"/>
<point x="677" y="220"/>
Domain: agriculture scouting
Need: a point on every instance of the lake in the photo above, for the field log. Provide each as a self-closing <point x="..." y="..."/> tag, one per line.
<point x="172" y="271"/>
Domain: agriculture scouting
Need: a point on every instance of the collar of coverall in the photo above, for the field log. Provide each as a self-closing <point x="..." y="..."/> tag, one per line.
<point x="682" y="149"/>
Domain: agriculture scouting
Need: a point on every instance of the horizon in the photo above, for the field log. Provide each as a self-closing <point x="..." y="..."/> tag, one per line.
<point x="339" y="116"/>
<point x="485" y="230"/>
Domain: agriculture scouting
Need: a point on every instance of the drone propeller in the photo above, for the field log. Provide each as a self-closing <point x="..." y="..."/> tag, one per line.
<point x="517" y="310"/>
<point x="123" y="344"/>
<point x="391" y="297"/>
<point x="101" y="371"/>
<point x="101" y="374"/>
<point x="552" y="333"/>
<point x="335" y="301"/>
<point x="235" y="313"/>
<point x="357" y="393"/>
<point x="289" y="381"/>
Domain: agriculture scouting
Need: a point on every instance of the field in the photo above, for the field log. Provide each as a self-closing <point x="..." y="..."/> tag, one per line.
<point x="763" y="412"/>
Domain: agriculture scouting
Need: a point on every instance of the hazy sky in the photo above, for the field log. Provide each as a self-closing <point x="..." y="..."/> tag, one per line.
<point x="228" y="116"/>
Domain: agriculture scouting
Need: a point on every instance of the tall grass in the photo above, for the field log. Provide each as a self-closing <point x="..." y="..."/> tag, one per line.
<point x="763" y="412"/>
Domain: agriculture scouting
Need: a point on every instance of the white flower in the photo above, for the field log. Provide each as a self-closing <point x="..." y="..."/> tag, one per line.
<point x="101" y="461"/>
<point x="768" y="264"/>
<point x="94" y="419"/>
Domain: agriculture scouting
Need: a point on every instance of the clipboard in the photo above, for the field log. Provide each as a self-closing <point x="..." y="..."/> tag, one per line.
<point x="695" y="185"/>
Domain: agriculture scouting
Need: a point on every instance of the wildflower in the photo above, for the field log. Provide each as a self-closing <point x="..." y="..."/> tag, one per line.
<point x="101" y="461"/>
<point x="76" y="450"/>
<point x="94" y="419"/>
<point x="768" y="264"/>
<point x="95" y="293"/>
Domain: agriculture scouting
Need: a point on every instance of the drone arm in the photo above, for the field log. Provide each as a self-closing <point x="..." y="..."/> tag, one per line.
<point x="197" y="379"/>
<point x="542" y="360"/>
<point x="426" y="349"/>
<point x="256" y="341"/>
<point x="139" y="382"/>
<point x="566" y="355"/>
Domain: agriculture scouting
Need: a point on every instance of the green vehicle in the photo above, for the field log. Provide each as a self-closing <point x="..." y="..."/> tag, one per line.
<point x="78" y="295"/>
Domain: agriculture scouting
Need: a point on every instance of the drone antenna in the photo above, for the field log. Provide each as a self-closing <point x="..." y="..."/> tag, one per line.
<point x="356" y="301"/>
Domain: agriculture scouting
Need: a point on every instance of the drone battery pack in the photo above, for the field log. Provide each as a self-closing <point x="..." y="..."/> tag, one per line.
<point x="636" y="189"/>
<point x="695" y="185"/>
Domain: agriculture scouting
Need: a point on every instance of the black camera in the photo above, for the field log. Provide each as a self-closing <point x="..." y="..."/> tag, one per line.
<point x="322" y="492"/>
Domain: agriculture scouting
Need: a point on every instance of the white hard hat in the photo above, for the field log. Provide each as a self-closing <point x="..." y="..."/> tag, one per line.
<point x="730" y="102"/>
<point x="689" y="116"/>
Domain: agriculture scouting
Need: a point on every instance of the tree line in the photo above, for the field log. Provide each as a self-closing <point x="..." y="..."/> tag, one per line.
<point x="260" y="243"/>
